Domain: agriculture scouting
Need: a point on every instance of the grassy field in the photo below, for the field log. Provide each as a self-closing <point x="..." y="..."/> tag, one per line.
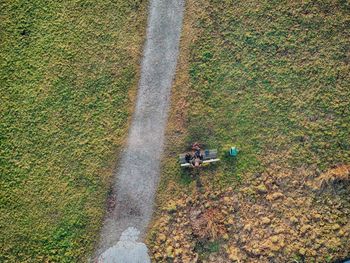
<point x="272" y="78"/>
<point x="68" y="74"/>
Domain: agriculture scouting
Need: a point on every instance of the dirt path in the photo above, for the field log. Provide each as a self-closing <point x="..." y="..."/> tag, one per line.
<point x="137" y="177"/>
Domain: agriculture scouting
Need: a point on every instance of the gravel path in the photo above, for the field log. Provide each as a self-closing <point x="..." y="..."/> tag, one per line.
<point x="137" y="177"/>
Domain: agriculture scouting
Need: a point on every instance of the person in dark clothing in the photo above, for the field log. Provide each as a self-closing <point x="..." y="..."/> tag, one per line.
<point x="198" y="154"/>
<point x="188" y="157"/>
<point x="197" y="151"/>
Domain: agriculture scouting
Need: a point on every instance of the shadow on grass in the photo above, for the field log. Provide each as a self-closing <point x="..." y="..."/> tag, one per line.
<point x="204" y="247"/>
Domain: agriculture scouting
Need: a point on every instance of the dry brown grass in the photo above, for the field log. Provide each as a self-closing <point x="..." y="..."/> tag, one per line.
<point x="339" y="174"/>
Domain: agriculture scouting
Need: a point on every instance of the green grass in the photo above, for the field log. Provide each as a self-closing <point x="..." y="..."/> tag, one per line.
<point x="272" y="78"/>
<point x="68" y="72"/>
<point x="205" y="247"/>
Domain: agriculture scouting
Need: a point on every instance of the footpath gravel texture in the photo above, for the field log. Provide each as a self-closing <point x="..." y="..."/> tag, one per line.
<point x="137" y="177"/>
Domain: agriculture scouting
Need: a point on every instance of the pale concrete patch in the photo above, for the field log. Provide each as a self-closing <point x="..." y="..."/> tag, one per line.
<point x="127" y="250"/>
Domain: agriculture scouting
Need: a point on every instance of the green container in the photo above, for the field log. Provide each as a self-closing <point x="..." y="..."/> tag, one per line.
<point x="233" y="151"/>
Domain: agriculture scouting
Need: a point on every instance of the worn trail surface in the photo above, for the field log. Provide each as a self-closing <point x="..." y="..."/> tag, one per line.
<point x="137" y="177"/>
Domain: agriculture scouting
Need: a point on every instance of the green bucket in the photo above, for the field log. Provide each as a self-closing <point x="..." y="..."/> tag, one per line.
<point x="233" y="151"/>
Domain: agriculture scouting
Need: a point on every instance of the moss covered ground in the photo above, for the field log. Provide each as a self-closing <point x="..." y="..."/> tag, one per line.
<point x="68" y="75"/>
<point x="271" y="78"/>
